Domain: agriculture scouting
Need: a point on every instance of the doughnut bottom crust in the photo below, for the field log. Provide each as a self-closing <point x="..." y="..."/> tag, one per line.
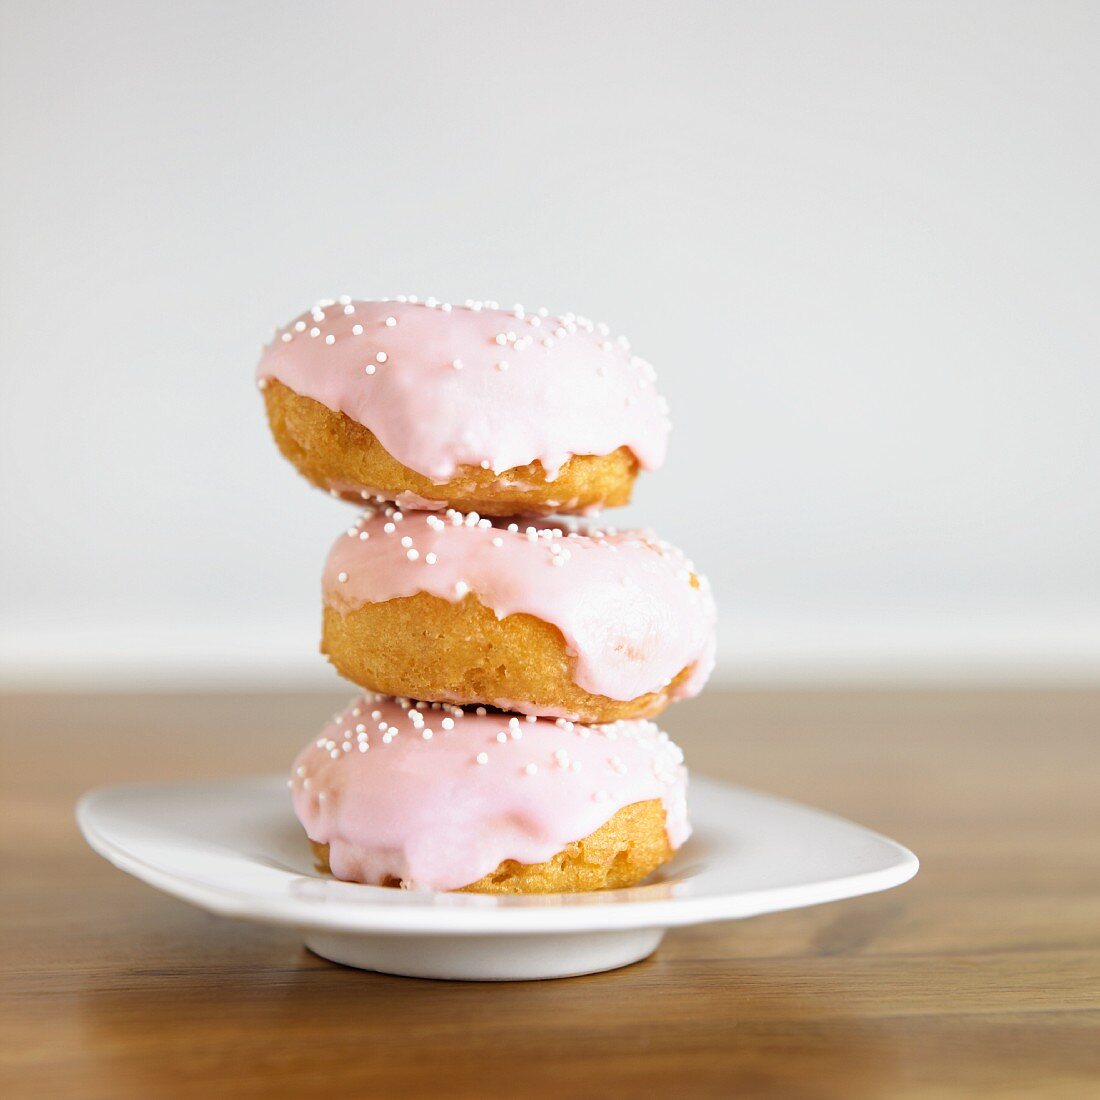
<point x="425" y="647"/>
<point x="623" y="851"/>
<point x="336" y="454"/>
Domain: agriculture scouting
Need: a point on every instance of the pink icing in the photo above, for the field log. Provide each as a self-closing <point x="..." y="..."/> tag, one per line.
<point x="565" y="387"/>
<point x="624" y="601"/>
<point x="438" y="798"/>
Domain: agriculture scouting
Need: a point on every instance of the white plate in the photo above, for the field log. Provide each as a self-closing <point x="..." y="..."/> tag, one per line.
<point x="234" y="848"/>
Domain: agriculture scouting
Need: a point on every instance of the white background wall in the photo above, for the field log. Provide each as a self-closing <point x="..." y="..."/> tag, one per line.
<point x="860" y="241"/>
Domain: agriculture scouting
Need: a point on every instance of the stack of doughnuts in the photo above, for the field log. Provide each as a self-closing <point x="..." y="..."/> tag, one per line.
<point x="512" y="655"/>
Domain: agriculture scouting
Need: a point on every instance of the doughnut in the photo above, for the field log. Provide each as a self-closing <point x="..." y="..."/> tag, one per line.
<point x="588" y="624"/>
<point x="499" y="411"/>
<point x="428" y="797"/>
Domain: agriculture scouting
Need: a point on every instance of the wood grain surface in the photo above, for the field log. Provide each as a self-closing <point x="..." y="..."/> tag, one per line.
<point x="980" y="978"/>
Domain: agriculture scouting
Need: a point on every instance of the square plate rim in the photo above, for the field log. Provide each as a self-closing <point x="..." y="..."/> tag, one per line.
<point x="468" y="914"/>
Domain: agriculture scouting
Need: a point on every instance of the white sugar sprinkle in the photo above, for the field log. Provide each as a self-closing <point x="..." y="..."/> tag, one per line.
<point x="483" y="758"/>
<point x="341" y="577"/>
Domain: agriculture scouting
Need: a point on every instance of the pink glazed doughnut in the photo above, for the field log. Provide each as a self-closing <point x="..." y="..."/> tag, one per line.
<point x="502" y="411"/>
<point x="587" y="624"/>
<point x="427" y="797"/>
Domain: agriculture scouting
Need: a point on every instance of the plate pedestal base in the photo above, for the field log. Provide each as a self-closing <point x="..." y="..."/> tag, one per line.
<point x="488" y="958"/>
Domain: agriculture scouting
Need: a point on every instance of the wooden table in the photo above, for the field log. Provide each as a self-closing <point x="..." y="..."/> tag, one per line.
<point x="979" y="978"/>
